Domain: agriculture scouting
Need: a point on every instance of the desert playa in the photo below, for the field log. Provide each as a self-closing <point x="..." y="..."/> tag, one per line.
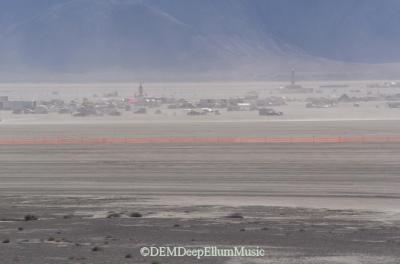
<point x="199" y="131"/>
<point x="305" y="202"/>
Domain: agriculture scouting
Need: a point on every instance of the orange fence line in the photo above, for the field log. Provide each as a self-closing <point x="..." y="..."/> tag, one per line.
<point x="135" y="140"/>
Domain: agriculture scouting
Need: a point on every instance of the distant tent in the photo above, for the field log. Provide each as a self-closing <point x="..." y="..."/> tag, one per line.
<point x="344" y="98"/>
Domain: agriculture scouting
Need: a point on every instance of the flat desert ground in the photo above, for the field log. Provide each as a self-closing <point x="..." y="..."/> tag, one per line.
<point x="300" y="202"/>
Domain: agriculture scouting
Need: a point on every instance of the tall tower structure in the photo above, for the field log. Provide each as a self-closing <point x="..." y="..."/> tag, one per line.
<point x="141" y="90"/>
<point x="292" y="78"/>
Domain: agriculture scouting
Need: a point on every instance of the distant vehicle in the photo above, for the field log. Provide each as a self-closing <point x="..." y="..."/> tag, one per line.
<point x="195" y="113"/>
<point x="253" y="95"/>
<point x="41" y="109"/>
<point x="181" y="105"/>
<point x="320" y="105"/>
<point x="17" y="111"/>
<point x="334" y="86"/>
<point x="28" y="111"/>
<point x="64" y="111"/>
<point x="79" y="114"/>
<point x="207" y="110"/>
<point x="141" y="111"/>
<point x="114" y="113"/>
<point x="394" y="105"/>
<point x="112" y="94"/>
<point x="269" y="112"/>
<point x="85" y="111"/>
<point x="242" y="107"/>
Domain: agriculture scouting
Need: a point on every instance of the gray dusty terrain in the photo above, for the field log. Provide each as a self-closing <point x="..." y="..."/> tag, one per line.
<point x="301" y="202"/>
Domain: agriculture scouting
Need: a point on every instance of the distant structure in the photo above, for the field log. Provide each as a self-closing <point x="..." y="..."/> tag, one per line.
<point x="6" y="104"/>
<point x="140" y="93"/>
<point x="292" y="78"/>
<point x="293" y="87"/>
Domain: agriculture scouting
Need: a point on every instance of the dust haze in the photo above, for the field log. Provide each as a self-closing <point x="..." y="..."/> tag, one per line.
<point x="126" y="125"/>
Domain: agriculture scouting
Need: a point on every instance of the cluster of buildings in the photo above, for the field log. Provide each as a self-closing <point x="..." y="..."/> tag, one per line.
<point x="328" y="102"/>
<point x="18" y="106"/>
<point x="249" y="102"/>
<point x="392" y="84"/>
<point x="112" y="104"/>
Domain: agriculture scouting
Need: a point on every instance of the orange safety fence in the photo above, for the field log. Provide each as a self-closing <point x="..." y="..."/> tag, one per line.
<point x="142" y="140"/>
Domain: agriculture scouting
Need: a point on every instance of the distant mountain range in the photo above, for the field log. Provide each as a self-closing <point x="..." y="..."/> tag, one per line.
<point x="197" y="37"/>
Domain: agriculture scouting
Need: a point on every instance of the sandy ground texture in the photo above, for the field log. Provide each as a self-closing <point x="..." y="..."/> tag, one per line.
<point x="99" y="229"/>
<point x="300" y="202"/>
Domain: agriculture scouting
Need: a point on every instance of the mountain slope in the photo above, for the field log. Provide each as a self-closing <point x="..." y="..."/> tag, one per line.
<point x="193" y="36"/>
